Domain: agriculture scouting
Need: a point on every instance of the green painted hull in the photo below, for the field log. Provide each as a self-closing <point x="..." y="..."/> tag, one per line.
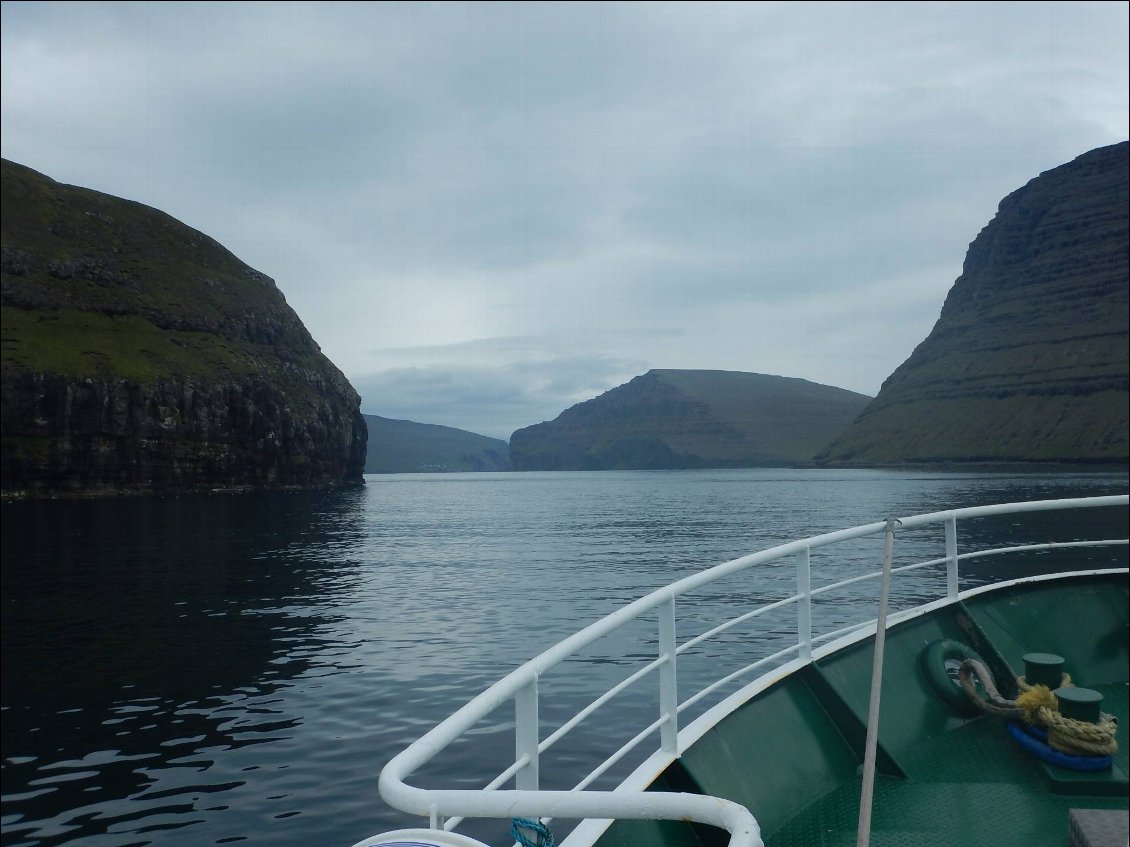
<point x="792" y="753"/>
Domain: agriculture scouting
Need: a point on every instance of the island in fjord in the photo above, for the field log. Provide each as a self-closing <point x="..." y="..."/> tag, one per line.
<point x="139" y="355"/>
<point x="1028" y="362"/>
<point x="1027" y="365"/>
<point x="691" y="419"/>
<point x="398" y="446"/>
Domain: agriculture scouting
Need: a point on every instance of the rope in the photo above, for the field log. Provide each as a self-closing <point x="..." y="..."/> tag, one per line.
<point x="1079" y="738"/>
<point x="995" y="704"/>
<point x="1064" y="682"/>
<point x="1034" y="741"/>
<point x="1036" y="705"/>
<point x="544" y="838"/>
<point x="1034" y="701"/>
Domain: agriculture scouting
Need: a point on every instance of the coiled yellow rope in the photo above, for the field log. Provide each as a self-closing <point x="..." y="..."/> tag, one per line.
<point x="1036" y="705"/>
<point x="1035" y="702"/>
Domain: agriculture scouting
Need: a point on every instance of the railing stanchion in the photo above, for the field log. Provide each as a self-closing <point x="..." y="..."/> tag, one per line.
<point x="951" y="557"/>
<point x="668" y="685"/>
<point x="804" y="605"/>
<point x="871" y="745"/>
<point x="526" y="735"/>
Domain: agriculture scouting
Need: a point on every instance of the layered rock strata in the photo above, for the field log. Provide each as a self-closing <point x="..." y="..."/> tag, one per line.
<point x="1028" y="359"/>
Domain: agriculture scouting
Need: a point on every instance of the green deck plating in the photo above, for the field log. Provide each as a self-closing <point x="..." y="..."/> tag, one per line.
<point x="946" y="776"/>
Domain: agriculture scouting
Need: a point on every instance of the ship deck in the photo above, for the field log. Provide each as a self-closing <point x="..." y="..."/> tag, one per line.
<point x="792" y="754"/>
<point x="975" y="783"/>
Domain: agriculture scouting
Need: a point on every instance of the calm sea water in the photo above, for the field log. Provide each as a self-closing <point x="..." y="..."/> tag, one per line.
<point x="236" y="669"/>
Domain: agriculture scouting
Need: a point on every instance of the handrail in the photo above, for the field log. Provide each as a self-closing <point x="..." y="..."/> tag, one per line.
<point x="526" y="800"/>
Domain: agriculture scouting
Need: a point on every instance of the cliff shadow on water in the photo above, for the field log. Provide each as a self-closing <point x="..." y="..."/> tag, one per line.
<point x="142" y="636"/>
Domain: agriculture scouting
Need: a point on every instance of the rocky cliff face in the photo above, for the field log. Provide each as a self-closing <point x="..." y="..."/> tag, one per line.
<point x="139" y="355"/>
<point x="690" y="419"/>
<point x="1028" y="360"/>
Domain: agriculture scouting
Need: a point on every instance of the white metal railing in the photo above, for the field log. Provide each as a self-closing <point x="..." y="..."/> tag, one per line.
<point x="446" y="808"/>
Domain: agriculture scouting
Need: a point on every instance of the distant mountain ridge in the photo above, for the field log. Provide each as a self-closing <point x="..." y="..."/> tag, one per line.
<point x="398" y="446"/>
<point x="691" y="419"/>
<point x="1028" y="359"/>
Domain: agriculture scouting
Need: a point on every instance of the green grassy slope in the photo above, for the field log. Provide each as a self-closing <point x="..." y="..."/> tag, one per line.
<point x="95" y="285"/>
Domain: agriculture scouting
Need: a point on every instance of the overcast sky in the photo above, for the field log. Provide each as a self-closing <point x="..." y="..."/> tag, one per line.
<point x="485" y="213"/>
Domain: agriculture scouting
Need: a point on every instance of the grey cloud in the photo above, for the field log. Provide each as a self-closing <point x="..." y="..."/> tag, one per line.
<point x="491" y="400"/>
<point x="462" y="182"/>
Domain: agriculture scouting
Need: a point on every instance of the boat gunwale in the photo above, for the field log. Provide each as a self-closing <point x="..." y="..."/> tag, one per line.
<point x="628" y="799"/>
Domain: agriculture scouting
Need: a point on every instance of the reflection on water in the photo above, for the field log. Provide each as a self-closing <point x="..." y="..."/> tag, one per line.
<point x="148" y="646"/>
<point x="236" y="669"/>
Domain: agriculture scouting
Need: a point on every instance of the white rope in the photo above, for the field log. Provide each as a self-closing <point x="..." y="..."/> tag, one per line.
<point x="863" y="833"/>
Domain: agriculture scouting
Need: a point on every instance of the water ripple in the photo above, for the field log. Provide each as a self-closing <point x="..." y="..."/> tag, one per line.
<point x="221" y="670"/>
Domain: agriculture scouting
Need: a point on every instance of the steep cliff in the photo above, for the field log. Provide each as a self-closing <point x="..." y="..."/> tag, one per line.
<point x="690" y="419"/>
<point x="1028" y="360"/>
<point x="409" y="447"/>
<point x="139" y="355"/>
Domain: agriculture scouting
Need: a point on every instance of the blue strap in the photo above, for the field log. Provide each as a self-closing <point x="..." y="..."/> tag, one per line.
<point x="1028" y="738"/>
<point x="541" y="833"/>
